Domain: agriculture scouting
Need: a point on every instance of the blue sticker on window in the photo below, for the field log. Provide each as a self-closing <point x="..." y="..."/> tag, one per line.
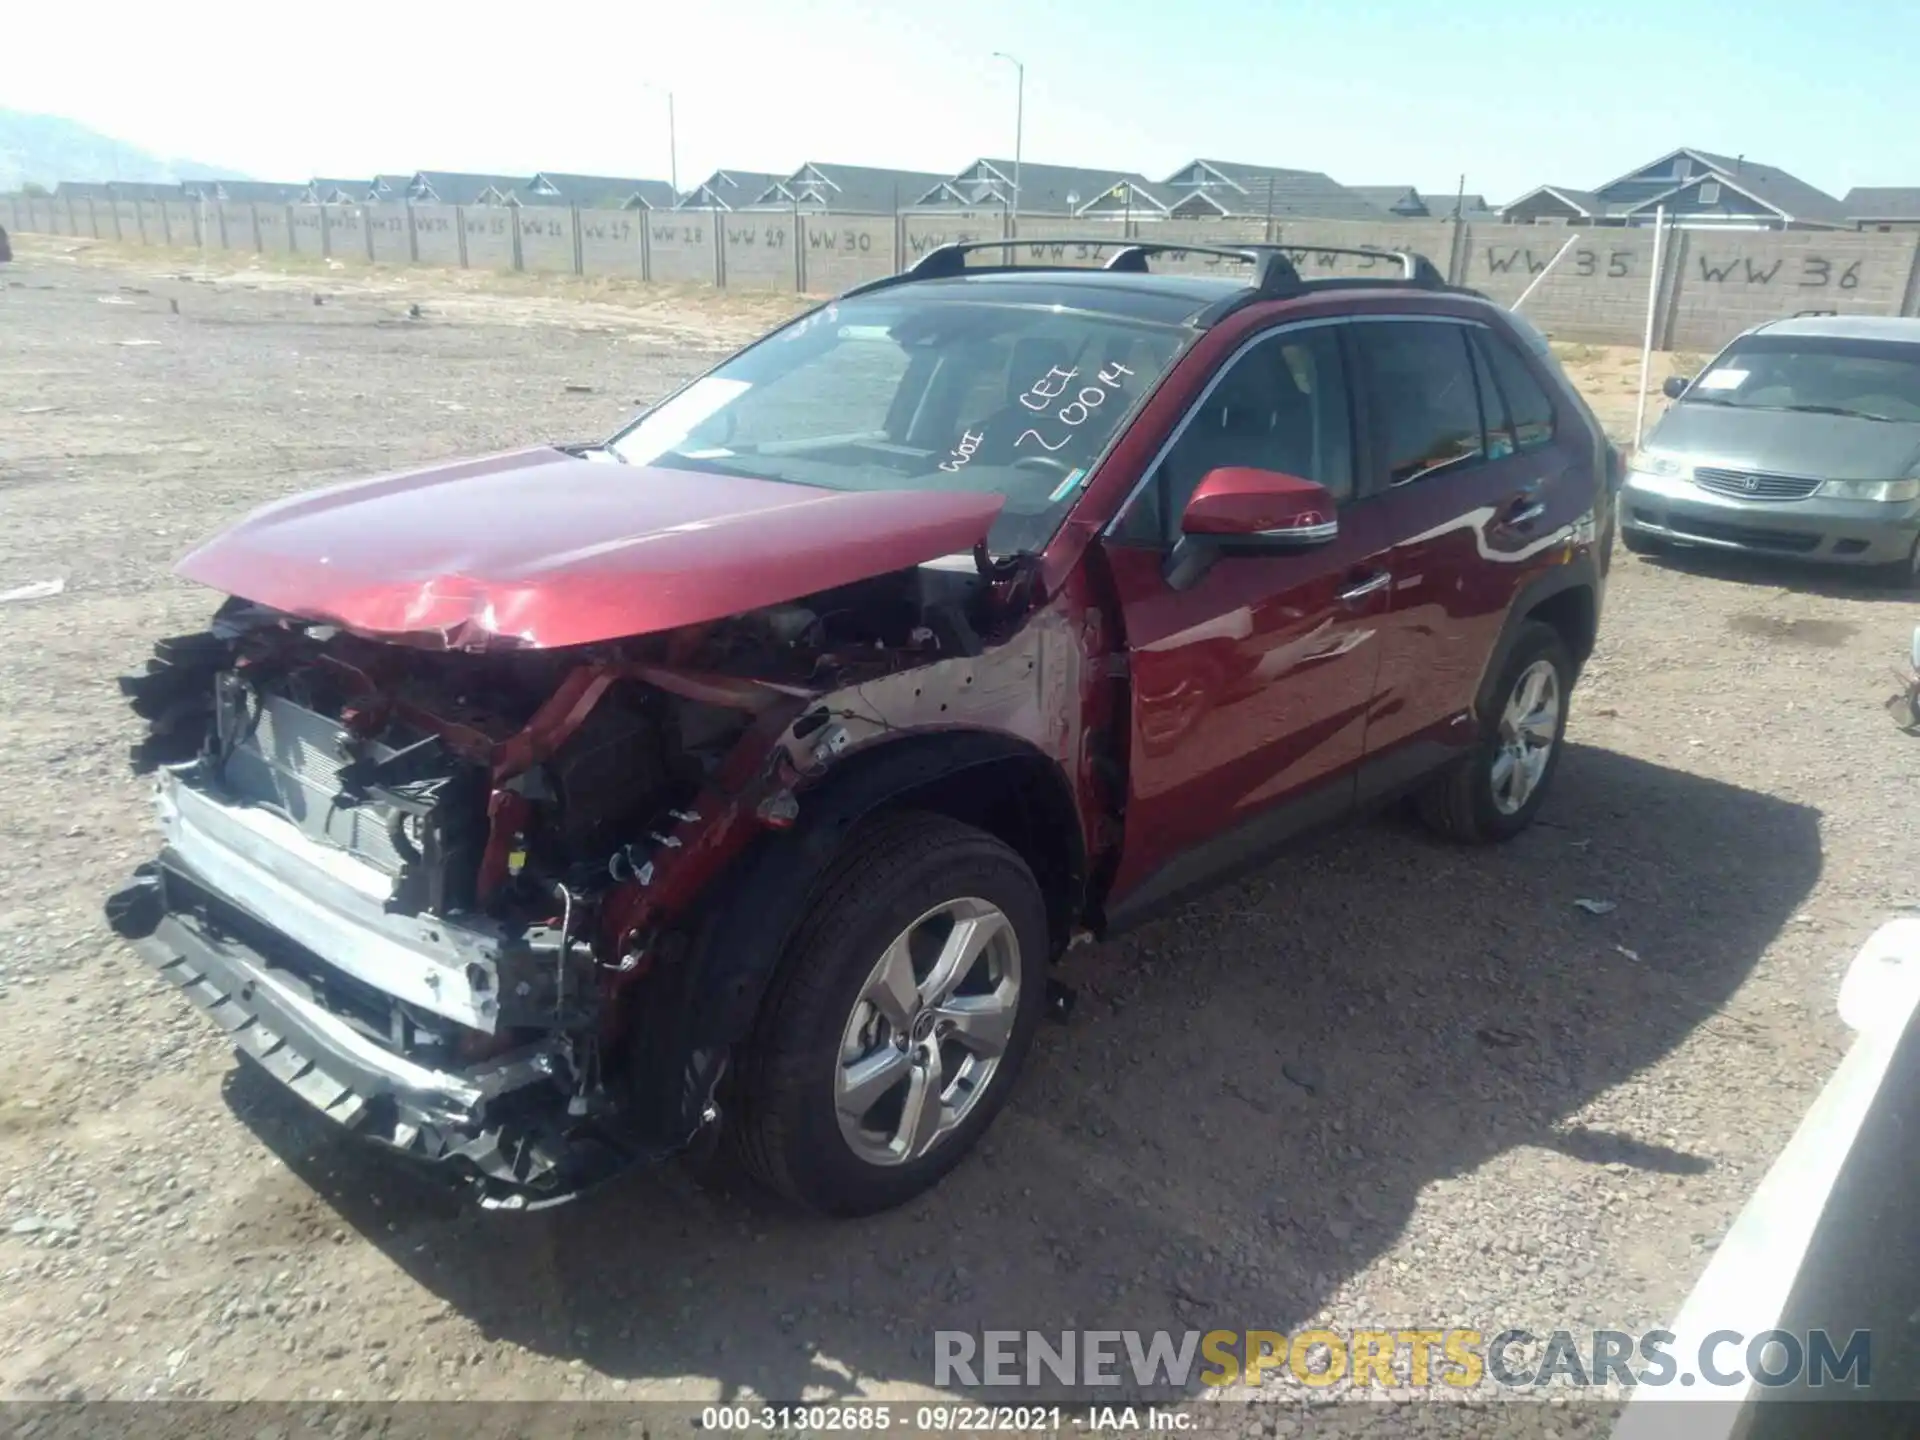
<point x="1066" y="487"/>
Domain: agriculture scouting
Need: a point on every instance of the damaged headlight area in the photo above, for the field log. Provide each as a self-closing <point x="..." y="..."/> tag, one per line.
<point x="429" y="890"/>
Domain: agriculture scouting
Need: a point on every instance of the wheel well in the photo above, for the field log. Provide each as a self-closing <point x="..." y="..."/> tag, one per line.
<point x="1020" y="800"/>
<point x="1573" y="614"/>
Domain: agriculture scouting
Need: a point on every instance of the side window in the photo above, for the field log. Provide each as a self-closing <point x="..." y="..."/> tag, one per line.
<point x="1282" y="405"/>
<point x="1526" y="398"/>
<point x="1425" y="408"/>
<point x="1494" y="418"/>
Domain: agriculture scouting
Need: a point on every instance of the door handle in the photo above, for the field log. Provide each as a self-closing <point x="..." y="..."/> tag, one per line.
<point x="1355" y="593"/>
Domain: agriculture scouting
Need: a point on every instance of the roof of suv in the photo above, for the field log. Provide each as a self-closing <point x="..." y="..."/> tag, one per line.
<point x="1845" y="327"/>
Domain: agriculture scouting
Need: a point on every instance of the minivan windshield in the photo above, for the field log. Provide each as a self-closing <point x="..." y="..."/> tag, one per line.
<point x="1821" y="375"/>
<point x="896" y="392"/>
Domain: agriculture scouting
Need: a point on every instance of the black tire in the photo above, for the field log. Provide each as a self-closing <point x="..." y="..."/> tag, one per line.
<point x="1459" y="802"/>
<point x="1638" y="542"/>
<point x="890" y="872"/>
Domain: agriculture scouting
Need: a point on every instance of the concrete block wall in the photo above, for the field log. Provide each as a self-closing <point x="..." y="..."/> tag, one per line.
<point x="840" y="251"/>
<point x="307" y="226"/>
<point x="180" y="223"/>
<point x="1196" y="232"/>
<point x="611" y="242"/>
<point x="234" y="225"/>
<point x="1434" y="239"/>
<point x="436" y="235"/>
<point x="489" y="235"/>
<point x="270" y="226"/>
<point x="756" y="251"/>
<point x="681" y="248"/>
<point x="345" y="228"/>
<point x="546" y="239"/>
<point x="1730" y="280"/>
<point x="1712" y="284"/>
<point x="1595" y="291"/>
<point x="921" y="233"/>
<point x="389" y="237"/>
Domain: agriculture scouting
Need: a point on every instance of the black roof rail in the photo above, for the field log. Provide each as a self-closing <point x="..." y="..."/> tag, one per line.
<point x="1415" y="268"/>
<point x="1273" y="270"/>
<point x="1275" y="274"/>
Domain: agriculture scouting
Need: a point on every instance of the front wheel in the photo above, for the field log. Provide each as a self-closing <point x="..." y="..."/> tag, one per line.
<point x="898" y="1019"/>
<point x="1493" y="792"/>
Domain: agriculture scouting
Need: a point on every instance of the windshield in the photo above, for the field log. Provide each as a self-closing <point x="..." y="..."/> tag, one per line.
<point x="1871" y="379"/>
<point x="895" y="392"/>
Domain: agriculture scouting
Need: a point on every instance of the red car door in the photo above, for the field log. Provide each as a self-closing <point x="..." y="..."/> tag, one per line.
<point x="1249" y="687"/>
<point x="1465" y="510"/>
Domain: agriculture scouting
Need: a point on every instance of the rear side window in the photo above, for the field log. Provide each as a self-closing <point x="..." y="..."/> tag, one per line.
<point x="1526" y="401"/>
<point x="1493" y="406"/>
<point x="1425" y="407"/>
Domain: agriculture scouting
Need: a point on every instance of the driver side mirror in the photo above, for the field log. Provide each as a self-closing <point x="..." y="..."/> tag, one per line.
<point x="1674" y="386"/>
<point x="1239" y="510"/>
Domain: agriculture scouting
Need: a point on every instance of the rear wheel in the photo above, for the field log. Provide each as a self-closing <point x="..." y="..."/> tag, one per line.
<point x="902" y="1010"/>
<point x="1494" y="791"/>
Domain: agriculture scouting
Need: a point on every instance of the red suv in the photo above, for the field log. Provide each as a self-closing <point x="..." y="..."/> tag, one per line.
<point x="746" y="776"/>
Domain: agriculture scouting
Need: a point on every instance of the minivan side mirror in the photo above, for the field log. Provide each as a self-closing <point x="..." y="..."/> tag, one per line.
<point x="1240" y="510"/>
<point x="1675" y="386"/>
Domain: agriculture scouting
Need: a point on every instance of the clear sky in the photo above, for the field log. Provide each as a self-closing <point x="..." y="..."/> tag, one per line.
<point x="1370" y="91"/>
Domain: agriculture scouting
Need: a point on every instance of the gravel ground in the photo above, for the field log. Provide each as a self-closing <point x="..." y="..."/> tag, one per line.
<point x="1383" y="1083"/>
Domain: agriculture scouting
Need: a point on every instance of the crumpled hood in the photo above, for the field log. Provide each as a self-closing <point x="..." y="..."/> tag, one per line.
<point x="540" y="548"/>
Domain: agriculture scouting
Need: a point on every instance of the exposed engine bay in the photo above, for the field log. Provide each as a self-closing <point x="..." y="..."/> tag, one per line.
<point x="425" y="887"/>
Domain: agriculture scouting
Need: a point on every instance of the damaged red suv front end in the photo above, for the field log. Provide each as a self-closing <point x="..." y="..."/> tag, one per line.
<point x="446" y="795"/>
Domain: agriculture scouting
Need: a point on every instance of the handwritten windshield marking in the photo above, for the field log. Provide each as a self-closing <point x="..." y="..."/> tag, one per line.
<point x="963" y="452"/>
<point x="1076" y="411"/>
<point x="1038" y="390"/>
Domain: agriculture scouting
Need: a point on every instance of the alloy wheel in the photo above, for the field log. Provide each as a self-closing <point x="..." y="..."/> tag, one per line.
<point x="928" y="1031"/>
<point x="1529" y="728"/>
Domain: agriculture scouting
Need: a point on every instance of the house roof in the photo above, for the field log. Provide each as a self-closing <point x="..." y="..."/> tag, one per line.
<point x="1882" y="202"/>
<point x="855" y="188"/>
<point x="1044" y="189"/>
<point x="1272" y="190"/>
<point x="270" y="192"/>
<point x="324" y="189"/>
<point x="456" y="187"/>
<point x="1142" y="197"/>
<point x="604" y="192"/>
<point x="1403" y="199"/>
<point x="83" y="190"/>
<point x="1776" y="189"/>
<point x="1786" y="195"/>
<point x="1440" y="206"/>
<point x="729" y="190"/>
<point x="144" y="189"/>
<point x="395" y="185"/>
<point x="1583" y="202"/>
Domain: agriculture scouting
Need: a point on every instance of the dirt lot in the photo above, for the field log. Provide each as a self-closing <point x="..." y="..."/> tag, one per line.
<point x="1385" y="1082"/>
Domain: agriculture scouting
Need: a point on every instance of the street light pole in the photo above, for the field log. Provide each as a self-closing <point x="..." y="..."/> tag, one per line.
<point x="673" y="144"/>
<point x="1019" y="120"/>
<point x="673" y="151"/>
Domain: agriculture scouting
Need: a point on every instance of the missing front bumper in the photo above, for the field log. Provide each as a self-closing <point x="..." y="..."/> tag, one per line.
<point x="503" y="1126"/>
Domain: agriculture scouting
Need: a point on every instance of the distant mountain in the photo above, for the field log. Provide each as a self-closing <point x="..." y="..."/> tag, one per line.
<point x="47" y="149"/>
